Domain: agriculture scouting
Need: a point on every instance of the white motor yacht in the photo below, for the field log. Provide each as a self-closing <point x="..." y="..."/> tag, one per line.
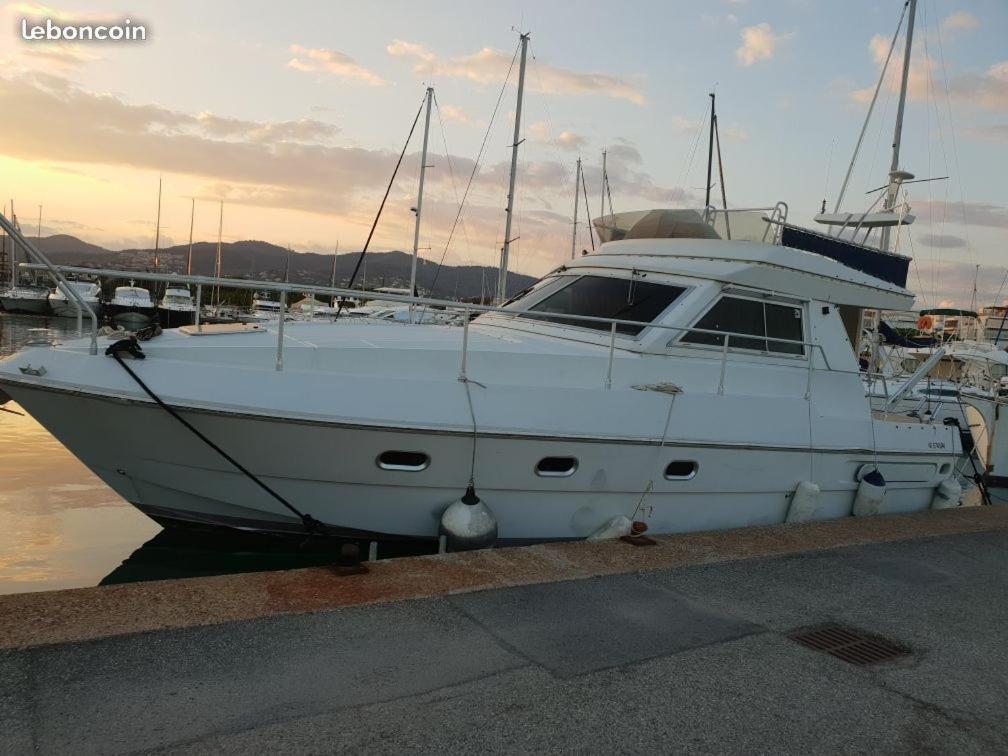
<point x="132" y="308"/>
<point x="689" y="383"/>
<point x="28" y="300"/>
<point x="176" y="308"/>
<point x="63" y="307"/>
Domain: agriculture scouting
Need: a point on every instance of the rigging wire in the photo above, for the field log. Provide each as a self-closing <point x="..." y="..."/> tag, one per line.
<point x="584" y="188"/>
<point x="476" y="165"/>
<point x="381" y="207"/>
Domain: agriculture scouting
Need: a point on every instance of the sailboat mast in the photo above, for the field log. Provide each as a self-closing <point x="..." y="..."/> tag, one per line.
<point x="13" y="248"/>
<point x="419" y="202"/>
<point x="332" y="274"/>
<point x="217" y="267"/>
<point x="710" y="151"/>
<point x="157" y="225"/>
<point x="502" y="275"/>
<point x="605" y="179"/>
<point x="192" y="217"/>
<point x="577" y="189"/>
<point x="893" y="189"/>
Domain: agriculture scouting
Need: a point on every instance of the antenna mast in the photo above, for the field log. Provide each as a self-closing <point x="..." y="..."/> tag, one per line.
<point x="419" y="203"/>
<point x="577" y="189"/>
<point x="895" y="176"/>
<point x="502" y="275"/>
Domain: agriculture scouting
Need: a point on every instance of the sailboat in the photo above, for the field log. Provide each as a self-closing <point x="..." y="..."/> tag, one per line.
<point x="20" y="298"/>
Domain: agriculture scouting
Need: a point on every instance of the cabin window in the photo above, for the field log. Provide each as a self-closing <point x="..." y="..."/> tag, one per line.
<point x="754" y="324"/>
<point x="404" y="461"/>
<point x="556" y="467"/>
<point x="603" y="297"/>
<point x="680" y="469"/>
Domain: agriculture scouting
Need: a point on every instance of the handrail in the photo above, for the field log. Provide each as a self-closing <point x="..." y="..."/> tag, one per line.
<point x="495" y="312"/>
<point x="72" y="294"/>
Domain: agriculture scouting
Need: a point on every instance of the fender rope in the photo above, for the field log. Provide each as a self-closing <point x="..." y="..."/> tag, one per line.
<point x="131" y="347"/>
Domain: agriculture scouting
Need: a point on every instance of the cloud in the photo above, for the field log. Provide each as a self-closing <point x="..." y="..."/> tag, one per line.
<point x="491" y="67"/>
<point x="539" y="131"/>
<point x="454" y="113"/>
<point x="974" y="213"/>
<point x="943" y="241"/>
<point x="322" y="60"/>
<point x="988" y="90"/>
<point x="994" y="133"/>
<point x="960" y="20"/>
<point x="758" y="43"/>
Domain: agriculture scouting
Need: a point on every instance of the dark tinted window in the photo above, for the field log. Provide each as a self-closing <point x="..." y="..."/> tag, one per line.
<point x="616" y="298"/>
<point x="748" y="316"/>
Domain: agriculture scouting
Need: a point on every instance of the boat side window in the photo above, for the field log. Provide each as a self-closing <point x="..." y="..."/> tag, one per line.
<point x="604" y="297"/>
<point x="767" y="327"/>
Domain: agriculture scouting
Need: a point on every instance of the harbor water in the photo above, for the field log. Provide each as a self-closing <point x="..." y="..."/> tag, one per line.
<point x="62" y="527"/>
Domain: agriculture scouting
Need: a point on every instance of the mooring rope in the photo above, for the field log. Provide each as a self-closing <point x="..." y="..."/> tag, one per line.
<point x="130" y="345"/>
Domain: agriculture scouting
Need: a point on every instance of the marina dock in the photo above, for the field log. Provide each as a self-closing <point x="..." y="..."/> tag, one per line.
<point x="690" y="644"/>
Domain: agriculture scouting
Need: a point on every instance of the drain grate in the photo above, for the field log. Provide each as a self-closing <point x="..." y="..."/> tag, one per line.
<point x="849" y="644"/>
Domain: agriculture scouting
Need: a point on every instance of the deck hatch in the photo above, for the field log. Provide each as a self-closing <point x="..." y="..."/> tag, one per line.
<point x="849" y="644"/>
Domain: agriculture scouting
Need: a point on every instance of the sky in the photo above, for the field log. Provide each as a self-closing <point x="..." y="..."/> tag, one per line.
<point x="294" y="115"/>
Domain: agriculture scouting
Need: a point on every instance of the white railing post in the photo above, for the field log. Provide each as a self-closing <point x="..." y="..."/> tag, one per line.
<point x="280" y="330"/>
<point x="199" y="305"/>
<point x="612" y="352"/>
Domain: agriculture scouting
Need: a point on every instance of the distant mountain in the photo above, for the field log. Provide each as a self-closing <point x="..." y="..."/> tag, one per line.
<point x="264" y="261"/>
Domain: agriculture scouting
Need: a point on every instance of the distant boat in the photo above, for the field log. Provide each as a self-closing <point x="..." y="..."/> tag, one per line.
<point x="176" y="308"/>
<point x="131" y="308"/>
<point x="33" y="300"/>
<point x="89" y="291"/>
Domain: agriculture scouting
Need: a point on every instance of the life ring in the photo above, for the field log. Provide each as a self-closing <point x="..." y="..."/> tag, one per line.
<point x="925" y="323"/>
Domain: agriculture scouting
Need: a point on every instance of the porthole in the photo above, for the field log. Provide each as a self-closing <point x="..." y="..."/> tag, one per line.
<point x="556" y="467"/>
<point x="404" y="461"/>
<point x="681" y="469"/>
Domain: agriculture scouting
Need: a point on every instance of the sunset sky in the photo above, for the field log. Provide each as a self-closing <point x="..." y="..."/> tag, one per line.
<point x="294" y="114"/>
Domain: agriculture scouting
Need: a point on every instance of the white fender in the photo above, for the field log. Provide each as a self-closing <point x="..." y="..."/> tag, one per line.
<point x="804" y="502"/>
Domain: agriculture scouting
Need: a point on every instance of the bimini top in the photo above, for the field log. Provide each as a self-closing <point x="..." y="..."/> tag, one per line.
<point x="760" y="266"/>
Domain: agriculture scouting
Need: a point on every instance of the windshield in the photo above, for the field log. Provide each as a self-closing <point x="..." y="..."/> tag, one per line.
<point x="600" y="297"/>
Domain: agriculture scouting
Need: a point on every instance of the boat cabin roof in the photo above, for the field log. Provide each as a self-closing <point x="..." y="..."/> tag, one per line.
<point x="767" y="267"/>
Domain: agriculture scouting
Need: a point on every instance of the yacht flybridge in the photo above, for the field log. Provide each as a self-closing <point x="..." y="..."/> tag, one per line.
<point x="688" y="383"/>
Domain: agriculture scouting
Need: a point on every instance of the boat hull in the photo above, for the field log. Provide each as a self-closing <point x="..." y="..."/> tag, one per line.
<point x="61" y="308"/>
<point x="25" y="306"/>
<point x="131" y="318"/>
<point x="168" y="318"/>
<point x="330" y="471"/>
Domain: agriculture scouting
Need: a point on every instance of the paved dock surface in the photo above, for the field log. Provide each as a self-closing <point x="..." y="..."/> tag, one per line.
<point x="691" y="657"/>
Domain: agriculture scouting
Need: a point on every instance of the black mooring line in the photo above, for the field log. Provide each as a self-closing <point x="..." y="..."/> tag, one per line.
<point x="311" y="525"/>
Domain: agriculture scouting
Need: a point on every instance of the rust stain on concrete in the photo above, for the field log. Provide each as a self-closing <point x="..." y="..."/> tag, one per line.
<point x="34" y="619"/>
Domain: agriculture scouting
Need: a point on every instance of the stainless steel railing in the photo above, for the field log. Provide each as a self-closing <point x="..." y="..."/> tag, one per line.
<point x="497" y="316"/>
<point x="72" y="295"/>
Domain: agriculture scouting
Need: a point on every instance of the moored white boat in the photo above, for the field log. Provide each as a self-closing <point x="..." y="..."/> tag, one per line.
<point x="727" y="380"/>
<point x="132" y="308"/>
<point x="29" y="300"/>
<point x="89" y="291"/>
<point x="176" y="308"/>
